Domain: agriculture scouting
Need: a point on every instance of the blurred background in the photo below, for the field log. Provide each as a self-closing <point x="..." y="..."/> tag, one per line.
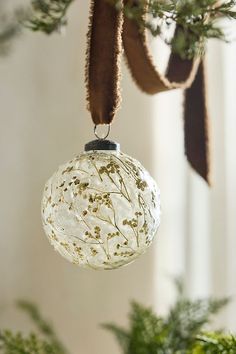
<point x="44" y="122"/>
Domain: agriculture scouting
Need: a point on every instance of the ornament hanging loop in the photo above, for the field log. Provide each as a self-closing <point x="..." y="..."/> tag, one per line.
<point x="105" y="135"/>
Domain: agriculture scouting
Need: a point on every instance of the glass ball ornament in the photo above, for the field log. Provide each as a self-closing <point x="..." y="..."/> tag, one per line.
<point x="101" y="210"/>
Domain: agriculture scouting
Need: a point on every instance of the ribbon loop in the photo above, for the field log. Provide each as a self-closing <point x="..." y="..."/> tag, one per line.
<point x="107" y="31"/>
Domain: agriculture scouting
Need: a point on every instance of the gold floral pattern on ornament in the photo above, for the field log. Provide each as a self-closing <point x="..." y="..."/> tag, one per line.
<point x="101" y="210"/>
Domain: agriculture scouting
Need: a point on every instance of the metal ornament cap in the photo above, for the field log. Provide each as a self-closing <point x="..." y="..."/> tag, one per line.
<point x="101" y="144"/>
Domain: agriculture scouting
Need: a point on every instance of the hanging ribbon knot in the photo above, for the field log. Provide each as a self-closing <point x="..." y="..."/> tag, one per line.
<point x="108" y="32"/>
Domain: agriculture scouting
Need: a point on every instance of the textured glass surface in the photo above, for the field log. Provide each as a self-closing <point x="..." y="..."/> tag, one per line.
<point x="101" y="210"/>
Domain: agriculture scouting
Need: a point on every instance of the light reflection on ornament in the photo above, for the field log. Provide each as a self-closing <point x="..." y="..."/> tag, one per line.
<point x="101" y="210"/>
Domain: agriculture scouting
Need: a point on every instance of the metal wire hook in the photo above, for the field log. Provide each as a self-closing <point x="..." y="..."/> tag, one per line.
<point x="107" y="133"/>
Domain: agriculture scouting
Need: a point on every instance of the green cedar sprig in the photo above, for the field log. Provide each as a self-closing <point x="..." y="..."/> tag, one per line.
<point x="45" y="342"/>
<point x="180" y="332"/>
<point x="43" y="326"/>
<point x="215" y="343"/>
<point x="197" y="21"/>
<point x="11" y="343"/>
<point x="48" y="15"/>
<point x="10" y="28"/>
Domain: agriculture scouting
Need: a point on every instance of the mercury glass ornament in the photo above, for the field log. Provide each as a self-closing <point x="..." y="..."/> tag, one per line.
<point x="101" y="209"/>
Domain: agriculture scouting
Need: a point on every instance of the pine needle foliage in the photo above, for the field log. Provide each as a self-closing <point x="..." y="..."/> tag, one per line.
<point x="181" y="332"/>
<point x="43" y="326"/>
<point x="44" y="342"/>
<point x="18" y="344"/>
<point x="10" y="28"/>
<point x="213" y="343"/>
<point x="196" y="19"/>
<point x="48" y="15"/>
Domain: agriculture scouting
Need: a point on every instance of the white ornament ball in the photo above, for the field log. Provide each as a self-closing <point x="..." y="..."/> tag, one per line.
<point x="101" y="209"/>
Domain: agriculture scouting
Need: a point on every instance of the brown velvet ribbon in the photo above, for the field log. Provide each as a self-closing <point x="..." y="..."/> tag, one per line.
<point x="108" y="30"/>
<point x="103" y="61"/>
<point x="196" y="125"/>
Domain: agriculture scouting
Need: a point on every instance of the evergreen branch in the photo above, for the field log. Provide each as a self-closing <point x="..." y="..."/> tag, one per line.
<point x="121" y="334"/>
<point x="215" y="343"/>
<point x="44" y="327"/>
<point x="10" y="28"/>
<point x="146" y="330"/>
<point x="187" y="318"/>
<point x="182" y="331"/>
<point x="48" y="15"/>
<point x="11" y="343"/>
<point x="196" y="21"/>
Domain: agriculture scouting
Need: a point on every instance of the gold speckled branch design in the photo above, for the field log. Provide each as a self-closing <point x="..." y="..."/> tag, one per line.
<point x="101" y="210"/>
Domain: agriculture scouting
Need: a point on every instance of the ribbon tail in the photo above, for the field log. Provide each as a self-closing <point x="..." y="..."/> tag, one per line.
<point x="196" y="125"/>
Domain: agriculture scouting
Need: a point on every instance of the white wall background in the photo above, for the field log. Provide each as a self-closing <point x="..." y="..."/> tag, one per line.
<point x="44" y="122"/>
